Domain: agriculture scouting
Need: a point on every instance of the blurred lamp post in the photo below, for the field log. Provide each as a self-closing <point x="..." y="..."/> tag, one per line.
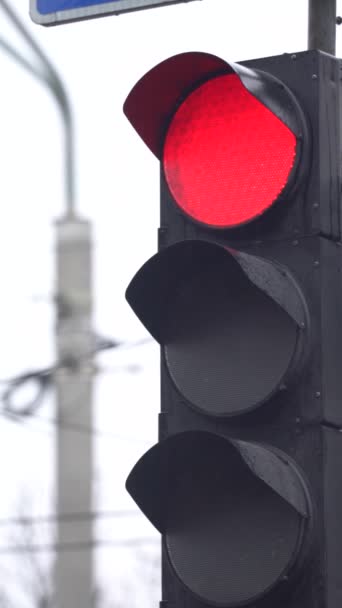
<point x="73" y="571"/>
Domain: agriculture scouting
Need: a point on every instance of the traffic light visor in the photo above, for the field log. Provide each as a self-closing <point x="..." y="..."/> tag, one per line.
<point x="230" y="138"/>
<point x="235" y="516"/>
<point x="232" y="324"/>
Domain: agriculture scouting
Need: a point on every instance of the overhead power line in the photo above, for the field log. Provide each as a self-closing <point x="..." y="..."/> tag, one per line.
<point x="82" y="428"/>
<point x="44" y="377"/>
<point x="77" y="546"/>
<point x="76" y="516"/>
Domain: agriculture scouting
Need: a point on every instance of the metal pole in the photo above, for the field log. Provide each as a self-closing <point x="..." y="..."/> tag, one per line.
<point x="50" y="77"/>
<point x="322" y="26"/>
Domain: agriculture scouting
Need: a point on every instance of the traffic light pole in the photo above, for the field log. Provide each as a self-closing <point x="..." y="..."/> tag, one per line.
<point x="322" y="25"/>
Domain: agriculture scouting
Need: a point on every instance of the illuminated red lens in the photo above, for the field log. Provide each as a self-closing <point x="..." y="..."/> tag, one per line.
<point x="226" y="156"/>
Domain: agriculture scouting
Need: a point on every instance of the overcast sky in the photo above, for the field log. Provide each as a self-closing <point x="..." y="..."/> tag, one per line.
<point x="117" y="189"/>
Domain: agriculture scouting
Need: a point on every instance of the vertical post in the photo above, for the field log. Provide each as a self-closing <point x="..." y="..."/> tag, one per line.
<point x="73" y="569"/>
<point x="322" y="25"/>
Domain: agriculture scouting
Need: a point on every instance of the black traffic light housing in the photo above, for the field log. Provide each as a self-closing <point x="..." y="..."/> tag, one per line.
<point x="243" y="484"/>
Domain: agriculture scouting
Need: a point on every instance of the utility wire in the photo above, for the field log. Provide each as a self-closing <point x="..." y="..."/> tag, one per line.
<point x="88" y="430"/>
<point x="76" y="516"/>
<point x="80" y="428"/>
<point x="77" y="546"/>
<point x="44" y="377"/>
<point x="41" y="377"/>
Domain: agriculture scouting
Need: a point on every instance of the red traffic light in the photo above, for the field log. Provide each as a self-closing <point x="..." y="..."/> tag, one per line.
<point x="227" y="157"/>
<point x="229" y="138"/>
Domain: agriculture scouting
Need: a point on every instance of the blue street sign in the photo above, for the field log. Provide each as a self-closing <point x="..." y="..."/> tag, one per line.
<point x="55" y="12"/>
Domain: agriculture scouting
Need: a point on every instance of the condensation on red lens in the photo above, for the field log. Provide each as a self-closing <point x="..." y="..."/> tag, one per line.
<point x="226" y="156"/>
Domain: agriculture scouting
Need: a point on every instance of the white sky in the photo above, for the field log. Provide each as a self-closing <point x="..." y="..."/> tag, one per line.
<point x="117" y="189"/>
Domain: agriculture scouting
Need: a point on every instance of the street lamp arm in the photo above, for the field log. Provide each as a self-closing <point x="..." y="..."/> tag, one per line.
<point x="49" y="76"/>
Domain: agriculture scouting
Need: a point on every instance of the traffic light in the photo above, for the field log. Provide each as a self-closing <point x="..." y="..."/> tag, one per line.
<point x="245" y="297"/>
